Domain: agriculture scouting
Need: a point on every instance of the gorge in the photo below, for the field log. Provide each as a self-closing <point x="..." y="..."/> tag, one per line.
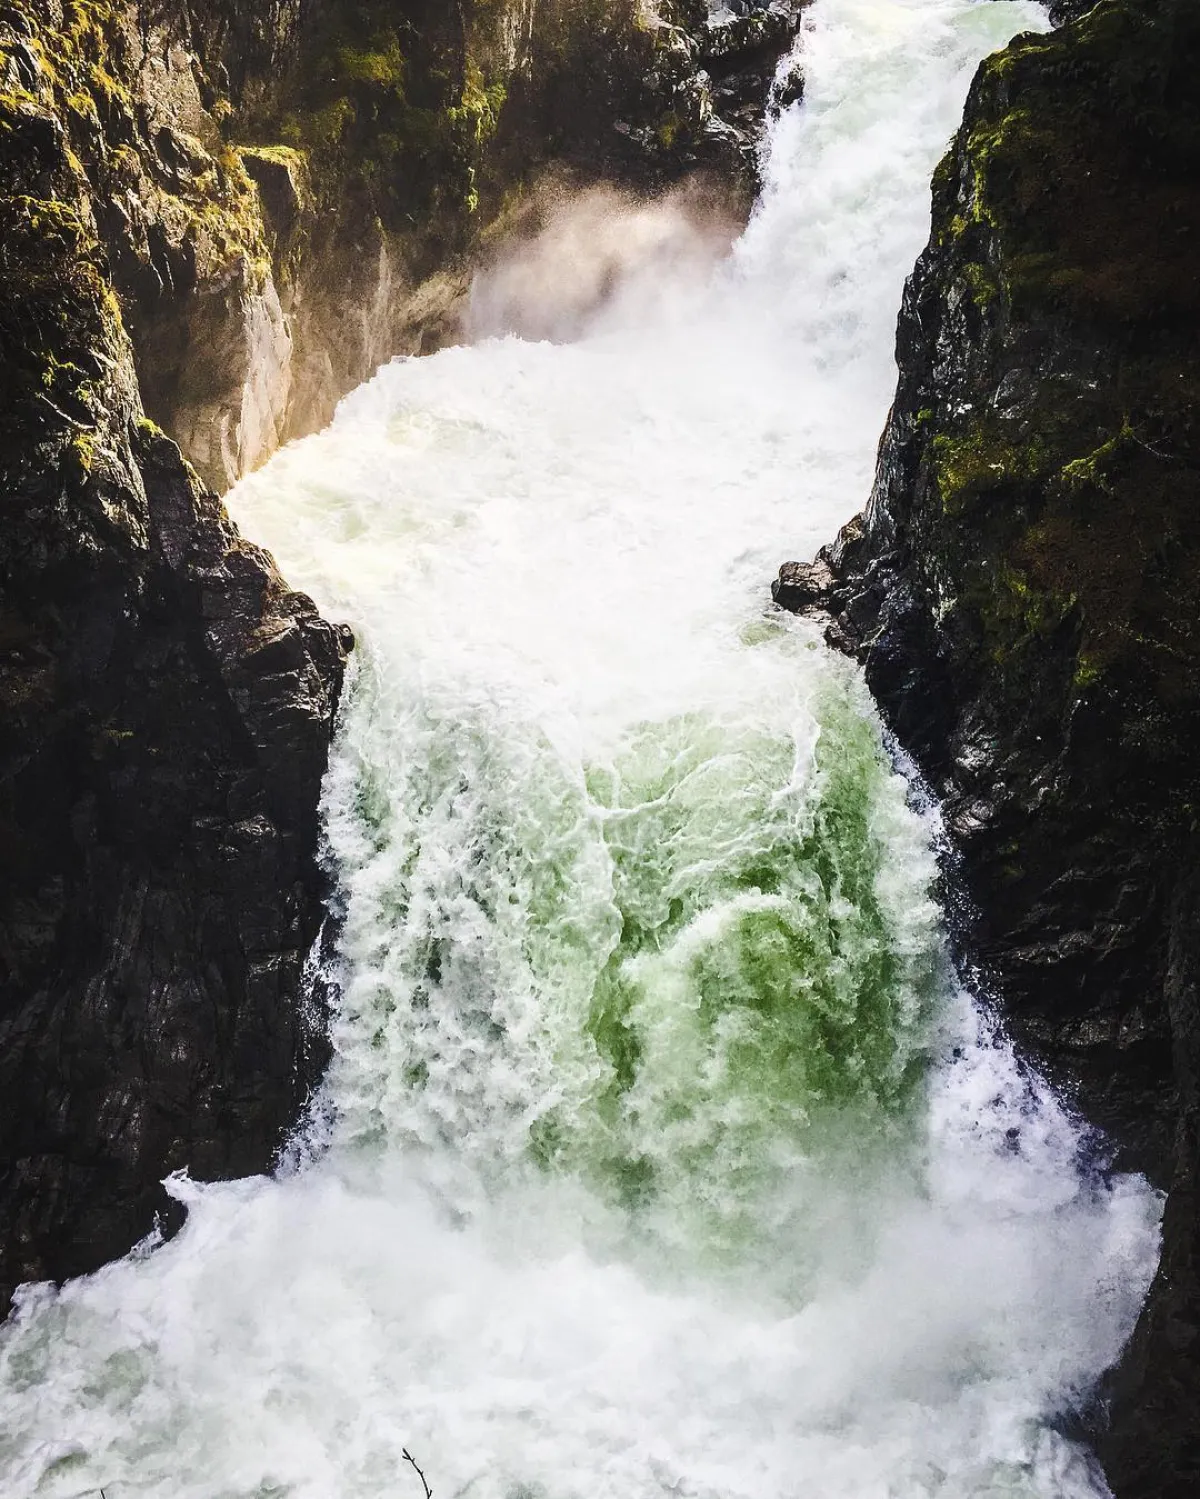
<point x="649" y="1137"/>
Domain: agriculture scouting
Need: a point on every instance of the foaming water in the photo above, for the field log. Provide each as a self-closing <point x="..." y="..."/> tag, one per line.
<point x="660" y="1153"/>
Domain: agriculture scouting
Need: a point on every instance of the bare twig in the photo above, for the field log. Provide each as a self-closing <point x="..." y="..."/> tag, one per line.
<point x="1158" y="453"/>
<point x="412" y="1462"/>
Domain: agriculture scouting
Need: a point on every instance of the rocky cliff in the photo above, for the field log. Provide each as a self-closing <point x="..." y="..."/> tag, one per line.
<point x="289" y="197"/>
<point x="165" y="711"/>
<point x="1024" y="589"/>
<point x="215" y="219"/>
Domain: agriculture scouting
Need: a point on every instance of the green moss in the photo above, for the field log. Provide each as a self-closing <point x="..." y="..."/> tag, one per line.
<point x="284" y="156"/>
<point x="82" y="452"/>
<point x="382" y="68"/>
<point x="1095" y="469"/>
<point x="668" y="131"/>
<point x="125" y="162"/>
<point x="1088" y="671"/>
<point x="225" y="215"/>
<point x="980" y="282"/>
<point x="981" y="460"/>
<point x="480" y="104"/>
<point x="1056" y="117"/>
<point x="1018" y="617"/>
<point x="81" y="62"/>
<point x="295" y="163"/>
<point x="61" y="331"/>
<point x="382" y="108"/>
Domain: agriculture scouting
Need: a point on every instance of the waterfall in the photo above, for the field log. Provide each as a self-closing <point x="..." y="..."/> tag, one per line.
<point x="661" y="1154"/>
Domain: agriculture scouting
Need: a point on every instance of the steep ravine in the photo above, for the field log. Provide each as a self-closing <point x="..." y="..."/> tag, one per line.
<point x="1023" y="590"/>
<point x="219" y="222"/>
<point x="660" y="1151"/>
<point x="226" y="223"/>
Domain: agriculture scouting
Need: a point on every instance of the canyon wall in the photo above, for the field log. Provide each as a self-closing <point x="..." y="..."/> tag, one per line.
<point x="166" y="706"/>
<point x="1024" y="592"/>
<point x="215" y="220"/>
<point x="285" y="200"/>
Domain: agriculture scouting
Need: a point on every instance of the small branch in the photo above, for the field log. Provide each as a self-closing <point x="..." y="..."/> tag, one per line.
<point x="412" y="1462"/>
<point x="1158" y="453"/>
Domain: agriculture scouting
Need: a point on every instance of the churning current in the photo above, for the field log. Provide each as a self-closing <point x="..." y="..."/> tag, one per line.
<point x="660" y="1154"/>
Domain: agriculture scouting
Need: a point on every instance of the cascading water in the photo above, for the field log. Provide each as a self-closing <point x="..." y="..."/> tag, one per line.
<point x="660" y="1154"/>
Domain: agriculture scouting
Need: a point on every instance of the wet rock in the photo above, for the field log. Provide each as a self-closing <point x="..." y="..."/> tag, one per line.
<point x="804" y="587"/>
<point x="1022" y="590"/>
<point x="741" y="56"/>
<point x="166" y="706"/>
<point x="279" y="177"/>
<point x="788" y="89"/>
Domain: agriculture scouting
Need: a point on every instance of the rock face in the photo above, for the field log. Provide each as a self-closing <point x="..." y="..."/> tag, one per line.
<point x="166" y="707"/>
<point x="1024" y="589"/>
<point x="644" y="95"/>
<point x="288" y="198"/>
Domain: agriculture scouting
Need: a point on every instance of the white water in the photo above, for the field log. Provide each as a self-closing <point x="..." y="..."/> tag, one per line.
<point x="660" y="1155"/>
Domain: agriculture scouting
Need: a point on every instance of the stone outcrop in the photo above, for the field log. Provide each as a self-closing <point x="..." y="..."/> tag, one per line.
<point x="1024" y="588"/>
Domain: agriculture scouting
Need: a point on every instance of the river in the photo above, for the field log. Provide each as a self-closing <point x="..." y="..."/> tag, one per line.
<point x="661" y="1154"/>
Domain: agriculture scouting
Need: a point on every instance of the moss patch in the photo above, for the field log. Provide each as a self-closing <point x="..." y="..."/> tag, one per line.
<point x="1069" y="211"/>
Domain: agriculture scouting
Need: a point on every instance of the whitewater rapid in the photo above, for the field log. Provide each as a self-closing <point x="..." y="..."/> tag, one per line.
<point x="660" y="1153"/>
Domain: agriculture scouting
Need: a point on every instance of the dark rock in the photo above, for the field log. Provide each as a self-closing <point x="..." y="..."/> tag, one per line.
<point x="1023" y="589"/>
<point x="1062" y="11"/>
<point x="803" y="587"/>
<point x="277" y="176"/>
<point x="649" y="106"/>
<point x="741" y="57"/>
<point x="1152" y="1448"/>
<point x="786" y="91"/>
<point x="166" y="705"/>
